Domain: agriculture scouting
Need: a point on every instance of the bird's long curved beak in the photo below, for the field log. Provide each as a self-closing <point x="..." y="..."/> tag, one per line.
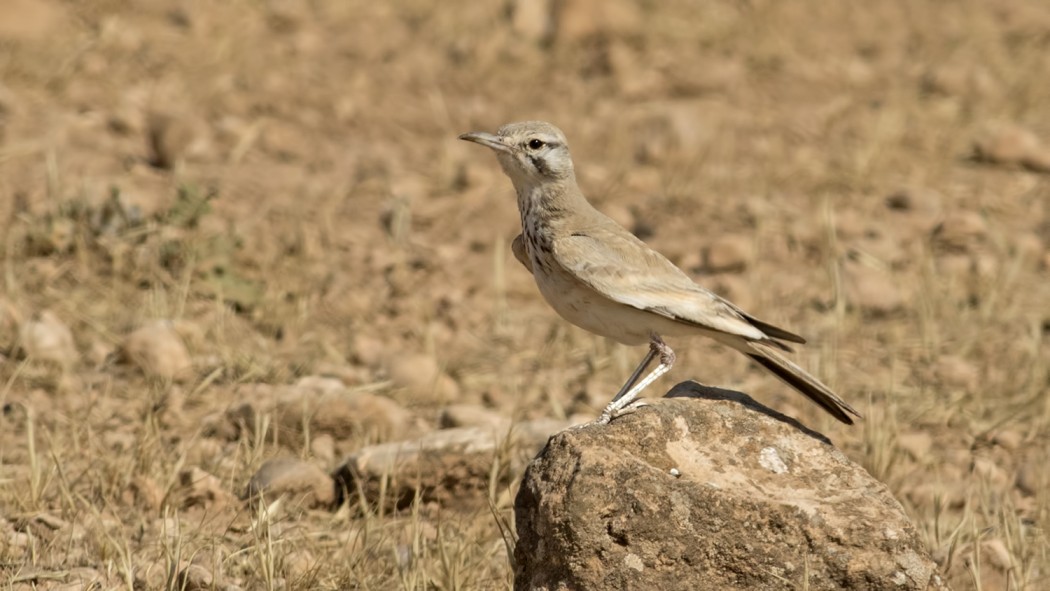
<point x="486" y="139"/>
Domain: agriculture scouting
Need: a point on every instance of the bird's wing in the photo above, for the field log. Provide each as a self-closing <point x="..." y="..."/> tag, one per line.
<point x="518" y="248"/>
<point x="619" y="266"/>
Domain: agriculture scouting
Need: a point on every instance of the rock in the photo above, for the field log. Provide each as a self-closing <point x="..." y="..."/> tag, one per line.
<point x="1032" y="477"/>
<point x="956" y="372"/>
<point x="199" y="488"/>
<point x="989" y="559"/>
<point x="47" y="338"/>
<point x="1008" y="439"/>
<point x="342" y="414"/>
<point x="916" y="444"/>
<point x="915" y="199"/>
<point x="446" y="466"/>
<point x="713" y="491"/>
<point x="532" y="19"/>
<point x="304" y="483"/>
<point x="960" y="231"/>
<point x="873" y="292"/>
<point x="958" y="81"/>
<point x="730" y="253"/>
<point x="471" y="415"/>
<point x="195" y="578"/>
<point x="30" y="20"/>
<point x="575" y="20"/>
<point x="159" y="352"/>
<point x="421" y="377"/>
<point x="323" y="447"/>
<point x="1012" y="145"/>
<point x="144" y="492"/>
<point x="171" y="137"/>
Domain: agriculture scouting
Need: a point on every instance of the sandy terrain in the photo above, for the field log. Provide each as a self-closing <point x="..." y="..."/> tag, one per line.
<point x="279" y="185"/>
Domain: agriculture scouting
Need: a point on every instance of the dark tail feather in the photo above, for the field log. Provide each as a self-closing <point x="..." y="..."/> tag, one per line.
<point x="798" y="379"/>
<point x="773" y="331"/>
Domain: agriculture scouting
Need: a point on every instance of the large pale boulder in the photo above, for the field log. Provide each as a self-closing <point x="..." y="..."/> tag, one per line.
<point x="709" y="490"/>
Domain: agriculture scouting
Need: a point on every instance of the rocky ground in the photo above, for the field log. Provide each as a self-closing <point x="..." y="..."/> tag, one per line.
<point x="239" y="232"/>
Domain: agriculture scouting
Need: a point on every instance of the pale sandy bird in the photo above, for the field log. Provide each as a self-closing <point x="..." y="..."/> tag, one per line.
<point x="602" y="278"/>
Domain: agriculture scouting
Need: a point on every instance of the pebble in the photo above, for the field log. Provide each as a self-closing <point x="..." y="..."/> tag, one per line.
<point x="199" y="488"/>
<point x="171" y="136"/>
<point x="469" y="415"/>
<point x="47" y="338"/>
<point x="960" y="231"/>
<point x="158" y="350"/>
<point x="421" y="376"/>
<point x="306" y="483"/>
<point x="195" y="577"/>
<point x="576" y="20"/>
<point x="1012" y="145"/>
<point x="916" y="443"/>
<point x="730" y="253"/>
<point x="956" y="372"/>
<point x="873" y="292"/>
<point x="343" y="414"/>
<point x="532" y="19"/>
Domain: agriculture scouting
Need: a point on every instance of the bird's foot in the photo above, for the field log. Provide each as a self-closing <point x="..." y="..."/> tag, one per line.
<point x="614" y="413"/>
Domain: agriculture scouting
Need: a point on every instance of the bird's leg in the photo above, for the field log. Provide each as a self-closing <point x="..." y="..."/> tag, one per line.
<point x="631" y="381"/>
<point x="625" y="398"/>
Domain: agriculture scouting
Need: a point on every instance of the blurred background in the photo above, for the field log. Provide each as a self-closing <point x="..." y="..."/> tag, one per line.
<point x="203" y="202"/>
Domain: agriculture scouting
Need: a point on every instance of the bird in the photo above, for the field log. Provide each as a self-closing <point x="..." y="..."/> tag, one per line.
<point x="600" y="277"/>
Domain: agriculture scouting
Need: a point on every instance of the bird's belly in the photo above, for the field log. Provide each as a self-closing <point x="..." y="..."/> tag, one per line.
<point x="595" y="313"/>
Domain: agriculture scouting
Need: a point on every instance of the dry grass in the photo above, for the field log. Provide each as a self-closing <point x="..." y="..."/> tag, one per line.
<point x="318" y="217"/>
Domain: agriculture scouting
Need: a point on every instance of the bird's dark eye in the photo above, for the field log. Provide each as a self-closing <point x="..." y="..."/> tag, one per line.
<point x="535" y="144"/>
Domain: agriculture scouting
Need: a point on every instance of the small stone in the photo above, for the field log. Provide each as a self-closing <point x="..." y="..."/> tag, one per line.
<point x="448" y="466"/>
<point x="1029" y="246"/>
<point x="989" y="470"/>
<point x="30" y="20"/>
<point x="1012" y="145"/>
<point x="305" y="483"/>
<point x="146" y="493"/>
<point x="1032" y="477"/>
<point x="342" y="414"/>
<point x="532" y="19"/>
<point x="421" y="376"/>
<point x="285" y="141"/>
<point x="915" y="199"/>
<point x="195" y="578"/>
<point x="323" y="447"/>
<point x="873" y="292"/>
<point x="199" y="488"/>
<point x="576" y="20"/>
<point x="956" y="372"/>
<point x="469" y="415"/>
<point x="950" y="80"/>
<point x="917" y="444"/>
<point x="961" y="231"/>
<point x="1008" y="439"/>
<point x="170" y="136"/>
<point x="48" y="339"/>
<point x="729" y="254"/>
<point x="367" y="350"/>
<point x="158" y="350"/>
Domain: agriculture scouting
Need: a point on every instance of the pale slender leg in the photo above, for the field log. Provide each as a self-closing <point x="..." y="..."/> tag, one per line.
<point x="625" y="398"/>
<point x="631" y="381"/>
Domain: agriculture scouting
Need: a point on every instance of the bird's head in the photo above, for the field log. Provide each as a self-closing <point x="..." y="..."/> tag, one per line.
<point x="532" y="153"/>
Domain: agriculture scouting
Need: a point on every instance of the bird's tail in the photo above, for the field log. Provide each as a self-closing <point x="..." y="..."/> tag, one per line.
<point x="768" y="357"/>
